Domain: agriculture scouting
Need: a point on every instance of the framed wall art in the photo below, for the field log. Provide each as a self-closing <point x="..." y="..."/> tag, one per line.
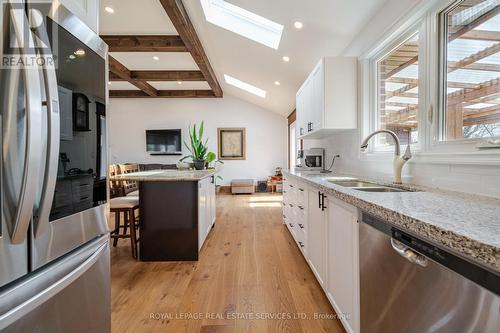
<point x="231" y="143"/>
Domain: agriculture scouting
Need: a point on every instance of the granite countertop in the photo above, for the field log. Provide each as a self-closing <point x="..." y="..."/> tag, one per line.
<point x="166" y="175"/>
<point x="468" y="225"/>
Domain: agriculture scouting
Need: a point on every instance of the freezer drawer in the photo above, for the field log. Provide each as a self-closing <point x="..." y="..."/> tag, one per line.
<point x="420" y="296"/>
<point x="70" y="295"/>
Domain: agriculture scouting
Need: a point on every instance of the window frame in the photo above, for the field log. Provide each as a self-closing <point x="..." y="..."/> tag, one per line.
<point x="371" y="60"/>
<point x="430" y="148"/>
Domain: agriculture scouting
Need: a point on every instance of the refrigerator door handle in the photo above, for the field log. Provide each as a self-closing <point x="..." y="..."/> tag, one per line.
<point x="53" y="125"/>
<point x="27" y="195"/>
<point x="29" y="305"/>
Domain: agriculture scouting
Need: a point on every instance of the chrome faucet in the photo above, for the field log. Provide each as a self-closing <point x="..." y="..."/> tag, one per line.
<point x="399" y="161"/>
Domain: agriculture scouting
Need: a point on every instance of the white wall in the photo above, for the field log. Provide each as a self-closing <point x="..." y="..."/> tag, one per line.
<point x="472" y="178"/>
<point x="266" y="131"/>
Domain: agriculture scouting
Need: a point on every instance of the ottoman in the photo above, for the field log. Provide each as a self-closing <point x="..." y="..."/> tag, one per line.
<point x="242" y="186"/>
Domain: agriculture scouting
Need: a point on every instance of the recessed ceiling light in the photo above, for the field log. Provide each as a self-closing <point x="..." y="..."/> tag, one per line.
<point x="79" y="52"/>
<point x="243" y="22"/>
<point x="156" y="58"/>
<point x="298" y="25"/>
<point x="286" y="59"/>
<point x="72" y="56"/>
<point x="179" y="82"/>
<point x="245" y="86"/>
<point x="109" y="10"/>
<point x="277" y="83"/>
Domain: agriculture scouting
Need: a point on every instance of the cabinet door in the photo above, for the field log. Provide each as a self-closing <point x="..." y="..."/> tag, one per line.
<point x="301" y="111"/>
<point x="211" y="202"/>
<point x="317" y="237"/>
<point x="66" y="113"/>
<point x="317" y="104"/>
<point x="342" y="285"/>
<point x="86" y="10"/>
<point x="202" y="212"/>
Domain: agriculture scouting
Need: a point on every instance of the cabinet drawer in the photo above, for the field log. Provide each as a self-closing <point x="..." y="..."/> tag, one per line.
<point x="290" y="224"/>
<point x="300" y="240"/>
<point x="301" y="195"/>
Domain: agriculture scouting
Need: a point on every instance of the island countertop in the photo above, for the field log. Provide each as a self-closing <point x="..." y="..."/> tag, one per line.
<point x="467" y="224"/>
<point x="165" y="175"/>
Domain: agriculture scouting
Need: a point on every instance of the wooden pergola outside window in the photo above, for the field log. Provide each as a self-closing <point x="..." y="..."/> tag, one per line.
<point x="470" y="60"/>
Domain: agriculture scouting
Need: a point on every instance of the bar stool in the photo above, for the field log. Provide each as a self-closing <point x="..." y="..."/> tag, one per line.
<point x="128" y="206"/>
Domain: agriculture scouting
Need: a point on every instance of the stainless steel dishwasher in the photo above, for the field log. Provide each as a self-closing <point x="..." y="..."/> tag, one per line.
<point x="411" y="286"/>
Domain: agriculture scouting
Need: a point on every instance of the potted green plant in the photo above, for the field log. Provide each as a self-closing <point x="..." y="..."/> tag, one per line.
<point x="198" y="148"/>
<point x="212" y="158"/>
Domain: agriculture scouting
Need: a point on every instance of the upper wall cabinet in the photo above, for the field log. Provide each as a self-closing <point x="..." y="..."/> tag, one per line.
<point x="327" y="101"/>
<point x="86" y="10"/>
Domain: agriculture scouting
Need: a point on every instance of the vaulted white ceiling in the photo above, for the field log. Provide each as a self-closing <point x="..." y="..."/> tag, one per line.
<point x="329" y="26"/>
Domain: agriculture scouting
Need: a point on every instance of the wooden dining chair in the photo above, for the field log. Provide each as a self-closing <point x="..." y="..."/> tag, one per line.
<point x="126" y="201"/>
<point x="130" y="187"/>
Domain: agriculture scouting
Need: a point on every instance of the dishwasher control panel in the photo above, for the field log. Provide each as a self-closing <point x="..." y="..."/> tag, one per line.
<point x="428" y="250"/>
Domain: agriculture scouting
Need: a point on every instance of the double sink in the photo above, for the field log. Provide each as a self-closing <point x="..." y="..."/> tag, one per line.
<point x="365" y="186"/>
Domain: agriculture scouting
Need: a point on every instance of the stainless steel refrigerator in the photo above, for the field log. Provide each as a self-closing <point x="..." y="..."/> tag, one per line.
<point x="54" y="252"/>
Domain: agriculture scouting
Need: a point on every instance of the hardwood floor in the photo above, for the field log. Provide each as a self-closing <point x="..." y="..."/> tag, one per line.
<point x="250" y="277"/>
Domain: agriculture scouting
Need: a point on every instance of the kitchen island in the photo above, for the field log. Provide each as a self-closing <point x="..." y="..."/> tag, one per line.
<point x="177" y="211"/>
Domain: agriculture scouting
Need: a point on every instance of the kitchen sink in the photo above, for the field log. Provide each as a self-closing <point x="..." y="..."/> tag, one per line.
<point x="380" y="189"/>
<point x="365" y="186"/>
<point x="353" y="183"/>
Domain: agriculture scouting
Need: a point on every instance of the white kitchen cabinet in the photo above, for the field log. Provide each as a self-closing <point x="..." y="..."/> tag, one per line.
<point x="302" y="101"/>
<point x="295" y="207"/>
<point x="86" y="10"/>
<point x="327" y="101"/>
<point x="206" y="208"/>
<point x="211" y="202"/>
<point x="317" y="236"/>
<point x="66" y="113"/>
<point x="342" y="287"/>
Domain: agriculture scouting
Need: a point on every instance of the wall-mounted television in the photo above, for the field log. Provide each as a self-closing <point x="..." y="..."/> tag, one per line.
<point x="164" y="142"/>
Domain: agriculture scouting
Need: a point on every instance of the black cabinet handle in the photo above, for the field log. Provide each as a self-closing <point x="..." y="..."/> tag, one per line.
<point x="290" y="185"/>
<point x="319" y="199"/>
<point x="301" y="226"/>
<point x="301" y="244"/>
<point x="290" y="205"/>
<point x="301" y="208"/>
<point x="291" y="225"/>
<point x="323" y="202"/>
<point x="212" y="180"/>
<point x="301" y="189"/>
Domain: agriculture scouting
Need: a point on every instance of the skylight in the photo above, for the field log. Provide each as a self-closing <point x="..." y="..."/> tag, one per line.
<point x="244" y="86"/>
<point x="243" y="22"/>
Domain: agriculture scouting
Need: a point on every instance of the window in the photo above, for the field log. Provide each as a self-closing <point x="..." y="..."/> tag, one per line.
<point x="244" y="86"/>
<point x="243" y="22"/>
<point x="397" y="93"/>
<point x="470" y="70"/>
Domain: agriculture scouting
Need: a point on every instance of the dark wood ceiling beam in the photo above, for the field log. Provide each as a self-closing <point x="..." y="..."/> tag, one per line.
<point x="124" y="73"/>
<point x="180" y="19"/>
<point x="162" y="76"/>
<point x="162" y="94"/>
<point x="140" y="43"/>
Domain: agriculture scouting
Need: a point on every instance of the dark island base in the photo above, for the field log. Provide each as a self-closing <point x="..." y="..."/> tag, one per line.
<point x="169" y="221"/>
